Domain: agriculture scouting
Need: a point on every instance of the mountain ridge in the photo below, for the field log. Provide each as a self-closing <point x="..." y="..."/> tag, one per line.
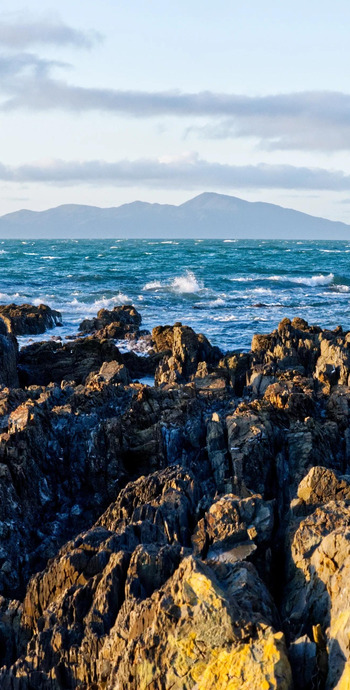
<point x="206" y="216"/>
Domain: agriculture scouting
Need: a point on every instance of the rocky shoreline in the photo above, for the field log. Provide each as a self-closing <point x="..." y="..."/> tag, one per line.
<point x="190" y="534"/>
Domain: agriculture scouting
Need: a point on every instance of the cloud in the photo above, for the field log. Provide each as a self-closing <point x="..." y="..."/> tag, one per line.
<point x="23" y="34"/>
<point x="184" y="172"/>
<point x="25" y="67"/>
<point x="303" y="121"/>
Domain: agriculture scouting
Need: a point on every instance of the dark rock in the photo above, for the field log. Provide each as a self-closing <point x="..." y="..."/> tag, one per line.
<point x="120" y="322"/>
<point x="49" y="361"/>
<point x="26" y="319"/>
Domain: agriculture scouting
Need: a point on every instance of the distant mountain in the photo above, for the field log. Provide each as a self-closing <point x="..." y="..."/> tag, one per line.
<point x="208" y="215"/>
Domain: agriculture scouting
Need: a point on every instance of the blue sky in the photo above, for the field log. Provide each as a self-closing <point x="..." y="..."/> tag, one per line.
<point x="104" y="103"/>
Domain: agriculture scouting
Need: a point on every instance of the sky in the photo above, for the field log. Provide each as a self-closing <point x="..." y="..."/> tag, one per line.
<point x="104" y="103"/>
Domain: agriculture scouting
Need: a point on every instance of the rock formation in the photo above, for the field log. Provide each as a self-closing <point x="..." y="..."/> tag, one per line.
<point x="190" y="534"/>
<point x="25" y="319"/>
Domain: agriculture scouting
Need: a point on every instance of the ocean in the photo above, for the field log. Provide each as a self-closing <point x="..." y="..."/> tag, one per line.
<point x="227" y="289"/>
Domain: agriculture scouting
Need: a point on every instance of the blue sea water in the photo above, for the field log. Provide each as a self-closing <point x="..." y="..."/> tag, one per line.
<point x="227" y="289"/>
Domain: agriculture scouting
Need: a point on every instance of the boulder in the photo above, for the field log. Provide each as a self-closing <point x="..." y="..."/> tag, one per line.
<point x="119" y="323"/>
<point x="49" y="361"/>
<point x="188" y="350"/>
<point x="26" y="319"/>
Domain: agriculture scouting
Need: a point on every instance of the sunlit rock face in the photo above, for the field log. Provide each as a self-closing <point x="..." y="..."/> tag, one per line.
<point x="193" y="534"/>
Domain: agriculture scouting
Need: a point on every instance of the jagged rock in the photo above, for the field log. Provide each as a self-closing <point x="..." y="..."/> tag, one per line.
<point x="46" y="362"/>
<point x="120" y="322"/>
<point x="26" y="319"/>
<point x="234" y="529"/>
<point x="317" y="594"/>
<point x="237" y="529"/>
<point x="110" y="372"/>
<point x="188" y="350"/>
<point x="193" y="621"/>
<point x="60" y="464"/>
<point x="163" y="338"/>
<point x="8" y="358"/>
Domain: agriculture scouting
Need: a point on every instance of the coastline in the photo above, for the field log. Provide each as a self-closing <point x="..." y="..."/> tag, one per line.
<point x="142" y="515"/>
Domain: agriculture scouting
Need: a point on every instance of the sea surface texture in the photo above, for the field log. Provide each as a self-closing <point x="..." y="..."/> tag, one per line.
<point x="227" y="289"/>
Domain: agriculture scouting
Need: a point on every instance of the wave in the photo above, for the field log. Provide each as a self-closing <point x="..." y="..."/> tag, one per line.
<point x="211" y="304"/>
<point x="153" y="285"/>
<point x="186" y="284"/>
<point x="5" y="297"/>
<point x="225" y="319"/>
<point x="3" y="251"/>
<point x="312" y="281"/>
<point x="340" y="288"/>
<point x="230" y="241"/>
<point x="51" y="257"/>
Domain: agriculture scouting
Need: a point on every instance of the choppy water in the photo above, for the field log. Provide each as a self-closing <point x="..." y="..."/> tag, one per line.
<point x="228" y="289"/>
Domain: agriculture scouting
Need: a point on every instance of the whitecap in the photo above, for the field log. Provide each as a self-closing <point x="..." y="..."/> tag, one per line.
<point x="211" y="304"/>
<point x="102" y="303"/>
<point x="5" y="297"/>
<point x="186" y="283"/>
<point x="311" y="281"/>
<point x="3" y="251"/>
<point x="331" y="251"/>
<point x="51" y="257"/>
<point x="230" y="240"/>
<point x="225" y="319"/>
<point x="152" y="285"/>
<point x="340" y="288"/>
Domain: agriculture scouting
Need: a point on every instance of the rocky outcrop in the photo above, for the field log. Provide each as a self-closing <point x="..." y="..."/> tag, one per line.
<point x="52" y="362"/>
<point x="317" y="598"/>
<point x="191" y="353"/>
<point x="129" y="594"/>
<point x="8" y="358"/>
<point x="119" y="323"/>
<point x="26" y="319"/>
<point x="192" y="534"/>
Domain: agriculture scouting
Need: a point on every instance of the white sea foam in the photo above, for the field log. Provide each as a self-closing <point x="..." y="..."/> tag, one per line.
<point x="3" y="251"/>
<point x="152" y="285"/>
<point x="105" y="303"/>
<point x="51" y="257"/>
<point x="331" y="251"/>
<point x="340" y="288"/>
<point x="5" y="297"/>
<point x="230" y="241"/>
<point x="261" y="291"/>
<point x="226" y="318"/>
<point x="186" y="283"/>
<point x="211" y="304"/>
<point x="312" y="281"/>
<point x="93" y="307"/>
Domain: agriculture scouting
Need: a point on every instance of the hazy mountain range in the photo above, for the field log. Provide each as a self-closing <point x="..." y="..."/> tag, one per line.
<point x="208" y="215"/>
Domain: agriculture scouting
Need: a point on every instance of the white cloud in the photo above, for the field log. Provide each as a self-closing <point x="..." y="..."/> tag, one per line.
<point x="23" y="33"/>
<point x="302" y="121"/>
<point x="183" y="172"/>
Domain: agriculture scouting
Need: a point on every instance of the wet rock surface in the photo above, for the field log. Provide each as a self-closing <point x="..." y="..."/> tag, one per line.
<point x="192" y="534"/>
